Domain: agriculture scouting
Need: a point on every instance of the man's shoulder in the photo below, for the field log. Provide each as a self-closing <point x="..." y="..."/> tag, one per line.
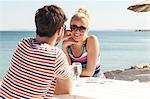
<point x="59" y="50"/>
<point x="53" y="49"/>
<point x="28" y="39"/>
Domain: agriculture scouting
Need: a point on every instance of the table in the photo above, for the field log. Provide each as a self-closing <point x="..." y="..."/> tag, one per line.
<point x="97" y="88"/>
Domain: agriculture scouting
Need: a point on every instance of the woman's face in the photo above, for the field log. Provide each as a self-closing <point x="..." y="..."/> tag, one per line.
<point x="79" y="28"/>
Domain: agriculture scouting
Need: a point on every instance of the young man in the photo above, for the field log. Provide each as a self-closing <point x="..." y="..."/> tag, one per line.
<point x="37" y="66"/>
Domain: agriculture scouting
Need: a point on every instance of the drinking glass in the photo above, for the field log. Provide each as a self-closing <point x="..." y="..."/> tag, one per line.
<point x="77" y="69"/>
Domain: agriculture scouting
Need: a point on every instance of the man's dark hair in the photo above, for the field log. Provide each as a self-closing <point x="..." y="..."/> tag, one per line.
<point x="48" y="19"/>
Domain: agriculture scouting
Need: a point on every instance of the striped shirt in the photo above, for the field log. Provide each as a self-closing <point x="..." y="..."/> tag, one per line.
<point x="33" y="71"/>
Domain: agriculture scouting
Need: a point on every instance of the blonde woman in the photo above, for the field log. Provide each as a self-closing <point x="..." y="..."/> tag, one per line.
<point x="79" y="47"/>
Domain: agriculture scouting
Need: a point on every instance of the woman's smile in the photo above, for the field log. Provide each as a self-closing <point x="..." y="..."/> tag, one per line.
<point x="77" y="36"/>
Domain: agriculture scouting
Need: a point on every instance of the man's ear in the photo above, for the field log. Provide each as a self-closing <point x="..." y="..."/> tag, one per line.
<point x="59" y="32"/>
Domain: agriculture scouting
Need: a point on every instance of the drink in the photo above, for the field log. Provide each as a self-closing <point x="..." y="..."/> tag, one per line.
<point x="77" y="69"/>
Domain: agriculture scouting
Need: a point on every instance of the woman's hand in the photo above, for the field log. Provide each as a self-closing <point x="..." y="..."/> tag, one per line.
<point x="67" y="35"/>
<point x="68" y="40"/>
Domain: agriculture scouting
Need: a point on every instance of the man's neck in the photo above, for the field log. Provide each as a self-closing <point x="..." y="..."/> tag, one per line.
<point x="51" y="41"/>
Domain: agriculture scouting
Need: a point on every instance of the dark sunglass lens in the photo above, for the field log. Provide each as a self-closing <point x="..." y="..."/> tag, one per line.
<point x="82" y="28"/>
<point x="73" y="27"/>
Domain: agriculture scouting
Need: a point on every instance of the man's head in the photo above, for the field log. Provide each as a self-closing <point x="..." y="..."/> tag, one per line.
<point x="48" y="20"/>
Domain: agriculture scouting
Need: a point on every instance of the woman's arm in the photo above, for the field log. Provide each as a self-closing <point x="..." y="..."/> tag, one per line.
<point x="93" y="51"/>
<point x="67" y="41"/>
<point x="65" y="49"/>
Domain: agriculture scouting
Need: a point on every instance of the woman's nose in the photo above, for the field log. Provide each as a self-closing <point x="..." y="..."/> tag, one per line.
<point x="77" y="31"/>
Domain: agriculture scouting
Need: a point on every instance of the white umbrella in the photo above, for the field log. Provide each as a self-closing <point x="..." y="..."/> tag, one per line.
<point x="140" y="7"/>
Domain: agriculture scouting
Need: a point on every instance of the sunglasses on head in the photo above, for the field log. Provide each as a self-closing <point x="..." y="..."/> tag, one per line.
<point x="76" y="28"/>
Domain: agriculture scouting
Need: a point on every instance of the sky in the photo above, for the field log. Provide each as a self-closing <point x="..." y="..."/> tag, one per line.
<point x="106" y="14"/>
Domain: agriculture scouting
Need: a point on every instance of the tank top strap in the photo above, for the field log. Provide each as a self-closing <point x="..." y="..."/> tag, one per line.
<point x="69" y="50"/>
<point x="84" y="47"/>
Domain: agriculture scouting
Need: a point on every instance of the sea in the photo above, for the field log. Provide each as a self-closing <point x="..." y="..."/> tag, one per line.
<point x="119" y="49"/>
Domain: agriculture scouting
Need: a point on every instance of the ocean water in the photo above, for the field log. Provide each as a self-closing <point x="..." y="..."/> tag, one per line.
<point x="119" y="49"/>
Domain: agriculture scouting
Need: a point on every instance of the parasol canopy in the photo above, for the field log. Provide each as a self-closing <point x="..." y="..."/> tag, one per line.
<point x="140" y="7"/>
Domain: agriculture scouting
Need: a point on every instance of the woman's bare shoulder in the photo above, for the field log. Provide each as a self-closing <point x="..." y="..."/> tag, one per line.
<point x="92" y="43"/>
<point x="92" y="38"/>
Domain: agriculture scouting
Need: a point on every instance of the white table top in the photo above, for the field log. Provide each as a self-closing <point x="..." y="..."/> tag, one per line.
<point x="96" y="88"/>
